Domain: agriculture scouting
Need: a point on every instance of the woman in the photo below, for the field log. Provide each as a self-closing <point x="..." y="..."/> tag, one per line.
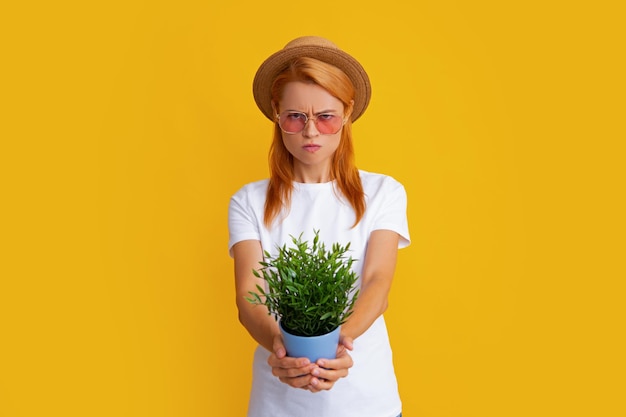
<point x="313" y="91"/>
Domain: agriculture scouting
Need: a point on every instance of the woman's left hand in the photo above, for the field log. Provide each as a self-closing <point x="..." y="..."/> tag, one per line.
<point x="329" y="371"/>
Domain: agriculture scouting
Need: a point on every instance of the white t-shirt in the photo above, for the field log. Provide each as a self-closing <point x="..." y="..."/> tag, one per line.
<point x="370" y="389"/>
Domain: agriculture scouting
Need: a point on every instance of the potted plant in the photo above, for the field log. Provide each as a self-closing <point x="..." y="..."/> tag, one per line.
<point x="311" y="292"/>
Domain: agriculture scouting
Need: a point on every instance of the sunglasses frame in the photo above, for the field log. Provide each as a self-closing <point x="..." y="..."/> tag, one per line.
<point x="306" y="120"/>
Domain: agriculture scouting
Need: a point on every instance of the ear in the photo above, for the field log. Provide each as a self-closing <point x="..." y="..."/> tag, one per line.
<point x="349" y="109"/>
<point x="275" y="108"/>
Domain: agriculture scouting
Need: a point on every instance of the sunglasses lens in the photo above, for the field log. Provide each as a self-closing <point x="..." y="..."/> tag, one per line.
<point x="294" y="122"/>
<point x="328" y="123"/>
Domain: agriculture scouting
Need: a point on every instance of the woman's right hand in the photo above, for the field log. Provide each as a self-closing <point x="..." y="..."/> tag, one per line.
<point x="295" y="372"/>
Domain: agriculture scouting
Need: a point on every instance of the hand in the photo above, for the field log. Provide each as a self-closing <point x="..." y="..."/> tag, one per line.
<point x="329" y="371"/>
<point x="295" y="372"/>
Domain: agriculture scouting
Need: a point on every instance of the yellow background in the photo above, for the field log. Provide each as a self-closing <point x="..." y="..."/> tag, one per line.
<point x="126" y="126"/>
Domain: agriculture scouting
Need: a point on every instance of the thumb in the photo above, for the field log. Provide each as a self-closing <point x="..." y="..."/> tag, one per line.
<point x="347" y="342"/>
<point x="278" y="347"/>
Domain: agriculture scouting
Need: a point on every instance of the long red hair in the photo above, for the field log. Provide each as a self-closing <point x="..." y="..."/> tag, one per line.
<point x="343" y="169"/>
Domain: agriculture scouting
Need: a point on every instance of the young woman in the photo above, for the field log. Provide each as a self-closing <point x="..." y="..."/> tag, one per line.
<point x="312" y="92"/>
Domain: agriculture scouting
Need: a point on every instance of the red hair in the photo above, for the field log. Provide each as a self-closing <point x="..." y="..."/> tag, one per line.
<point x="343" y="169"/>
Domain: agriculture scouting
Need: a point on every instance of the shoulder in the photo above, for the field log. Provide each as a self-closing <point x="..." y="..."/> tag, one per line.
<point x="253" y="190"/>
<point x="373" y="182"/>
<point x="250" y="196"/>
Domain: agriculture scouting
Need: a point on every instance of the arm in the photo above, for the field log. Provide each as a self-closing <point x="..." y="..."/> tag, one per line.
<point x="255" y="318"/>
<point x="376" y="278"/>
<point x="261" y="326"/>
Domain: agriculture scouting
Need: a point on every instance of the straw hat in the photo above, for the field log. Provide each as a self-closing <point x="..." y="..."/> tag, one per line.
<point x="312" y="47"/>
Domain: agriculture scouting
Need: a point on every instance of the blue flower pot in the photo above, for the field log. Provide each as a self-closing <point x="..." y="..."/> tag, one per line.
<point x="312" y="347"/>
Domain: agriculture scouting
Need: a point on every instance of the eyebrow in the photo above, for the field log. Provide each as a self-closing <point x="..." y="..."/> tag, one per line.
<point x="316" y="113"/>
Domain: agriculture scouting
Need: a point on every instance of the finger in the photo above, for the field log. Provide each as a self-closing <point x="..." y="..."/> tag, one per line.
<point x="287" y="362"/>
<point x="347" y="342"/>
<point x="293" y="372"/>
<point x="278" y="347"/>
<point x="317" y="385"/>
<point x="343" y="361"/>
<point x="298" y="382"/>
<point x="329" y="375"/>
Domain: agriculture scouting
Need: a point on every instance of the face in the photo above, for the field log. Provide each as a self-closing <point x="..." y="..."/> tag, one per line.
<point x="312" y="151"/>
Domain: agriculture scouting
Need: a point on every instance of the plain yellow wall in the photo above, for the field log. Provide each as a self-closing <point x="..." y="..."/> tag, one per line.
<point x="126" y="126"/>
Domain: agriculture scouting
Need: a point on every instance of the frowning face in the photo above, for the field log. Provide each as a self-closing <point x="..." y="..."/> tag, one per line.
<point x="320" y="116"/>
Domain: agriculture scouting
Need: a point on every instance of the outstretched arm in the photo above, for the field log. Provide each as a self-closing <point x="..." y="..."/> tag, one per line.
<point x="378" y="270"/>
<point x="255" y="318"/>
<point x="376" y="278"/>
<point x="261" y="326"/>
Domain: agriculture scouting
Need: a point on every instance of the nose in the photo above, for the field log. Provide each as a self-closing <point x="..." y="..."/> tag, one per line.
<point x="310" y="129"/>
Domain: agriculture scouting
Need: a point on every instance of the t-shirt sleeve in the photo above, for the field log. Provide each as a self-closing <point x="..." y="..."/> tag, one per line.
<point x="392" y="212"/>
<point x="242" y="224"/>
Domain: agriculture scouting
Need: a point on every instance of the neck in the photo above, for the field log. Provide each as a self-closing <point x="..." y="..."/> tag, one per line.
<point x="310" y="175"/>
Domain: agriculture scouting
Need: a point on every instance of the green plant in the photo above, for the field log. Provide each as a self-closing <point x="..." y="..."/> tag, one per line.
<point x="310" y="289"/>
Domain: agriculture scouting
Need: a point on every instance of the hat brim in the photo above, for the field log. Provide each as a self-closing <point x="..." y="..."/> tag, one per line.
<point x="278" y="61"/>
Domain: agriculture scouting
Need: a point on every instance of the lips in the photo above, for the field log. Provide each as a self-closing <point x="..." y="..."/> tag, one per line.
<point x="311" y="147"/>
